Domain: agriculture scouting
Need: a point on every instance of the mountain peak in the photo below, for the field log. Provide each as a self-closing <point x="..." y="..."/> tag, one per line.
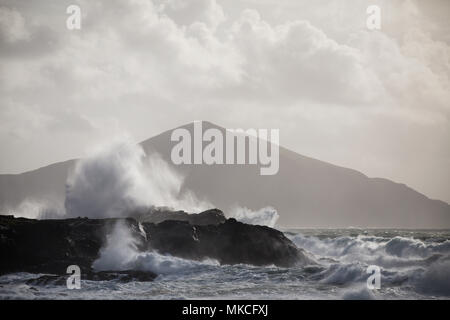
<point x="306" y="192"/>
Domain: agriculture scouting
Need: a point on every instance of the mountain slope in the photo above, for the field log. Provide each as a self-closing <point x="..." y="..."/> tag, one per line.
<point x="306" y="192"/>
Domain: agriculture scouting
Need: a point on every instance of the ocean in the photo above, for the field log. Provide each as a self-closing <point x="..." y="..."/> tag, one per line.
<point x="414" y="264"/>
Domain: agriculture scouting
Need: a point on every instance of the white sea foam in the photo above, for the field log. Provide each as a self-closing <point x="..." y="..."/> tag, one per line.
<point x="436" y="279"/>
<point x="358" y="293"/>
<point x="266" y="216"/>
<point x="341" y="273"/>
<point x="372" y="249"/>
<point x="120" y="250"/>
<point x="423" y="265"/>
<point x="121" y="253"/>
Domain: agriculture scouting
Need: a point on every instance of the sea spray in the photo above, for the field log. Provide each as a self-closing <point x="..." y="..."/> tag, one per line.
<point x="266" y="216"/>
<point x="117" y="179"/>
<point x="121" y="252"/>
<point x="44" y="208"/>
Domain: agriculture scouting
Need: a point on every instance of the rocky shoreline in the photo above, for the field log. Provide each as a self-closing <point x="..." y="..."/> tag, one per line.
<point x="50" y="246"/>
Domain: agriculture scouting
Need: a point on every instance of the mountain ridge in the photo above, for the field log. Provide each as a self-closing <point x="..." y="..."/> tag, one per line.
<point x="306" y="192"/>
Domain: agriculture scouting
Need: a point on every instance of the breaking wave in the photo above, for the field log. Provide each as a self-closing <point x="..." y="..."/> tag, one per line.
<point x="371" y="249"/>
<point x="266" y="216"/>
<point x="121" y="252"/>
<point x="414" y="265"/>
<point x="404" y="261"/>
<point x="122" y="177"/>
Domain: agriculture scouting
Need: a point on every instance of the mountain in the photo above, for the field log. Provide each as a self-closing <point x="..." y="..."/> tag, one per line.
<point x="306" y="192"/>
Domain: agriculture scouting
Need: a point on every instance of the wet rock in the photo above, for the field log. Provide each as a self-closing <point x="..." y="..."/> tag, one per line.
<point x="158" y="215"/>
<point x="50" y="246"/>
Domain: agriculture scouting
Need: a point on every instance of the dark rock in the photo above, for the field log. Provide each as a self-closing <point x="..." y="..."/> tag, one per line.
<point x="232" y="242"/>
<point x="158" y="215"/>
<point x="50" y="246"/>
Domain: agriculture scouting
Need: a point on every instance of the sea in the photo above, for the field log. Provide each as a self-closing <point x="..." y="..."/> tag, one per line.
<point x="413" y="264"/>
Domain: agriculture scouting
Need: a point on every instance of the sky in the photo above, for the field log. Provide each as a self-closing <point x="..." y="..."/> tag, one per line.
<point x="377" y="101"/>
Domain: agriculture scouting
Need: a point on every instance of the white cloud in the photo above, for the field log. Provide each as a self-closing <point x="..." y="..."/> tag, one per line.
<point x="195" y="11"/>
<point x="145" y="66"/>
<point x="12" y="25"/>
<point x="299" y="61"/>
